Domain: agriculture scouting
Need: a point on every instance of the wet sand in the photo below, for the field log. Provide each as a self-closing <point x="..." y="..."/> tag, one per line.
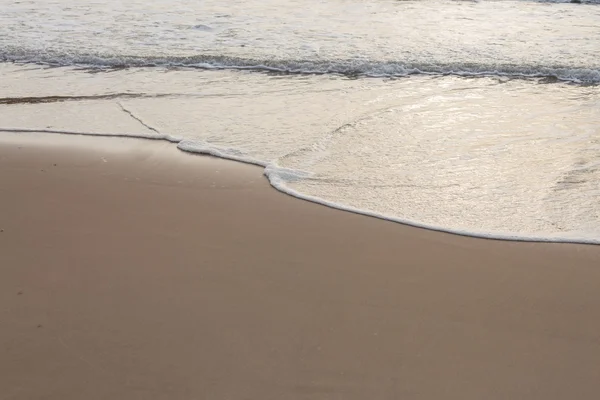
<point x="134" y="271"/>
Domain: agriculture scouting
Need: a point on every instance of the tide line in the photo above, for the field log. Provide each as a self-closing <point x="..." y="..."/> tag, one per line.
<point x="276" y="177"/>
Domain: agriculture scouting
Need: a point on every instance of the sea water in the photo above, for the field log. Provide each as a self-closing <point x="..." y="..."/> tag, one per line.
<point x="474" y="117"/>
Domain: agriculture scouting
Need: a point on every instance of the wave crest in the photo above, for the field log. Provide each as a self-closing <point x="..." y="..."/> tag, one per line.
<point x="343" y="67"/>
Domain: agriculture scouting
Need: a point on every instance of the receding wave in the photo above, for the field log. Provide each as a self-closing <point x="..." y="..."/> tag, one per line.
<point x="344" y="67"/>
<point x="279" y="177"/>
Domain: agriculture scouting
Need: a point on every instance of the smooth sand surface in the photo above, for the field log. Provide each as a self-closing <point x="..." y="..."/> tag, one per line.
<point x="134" y="271"/>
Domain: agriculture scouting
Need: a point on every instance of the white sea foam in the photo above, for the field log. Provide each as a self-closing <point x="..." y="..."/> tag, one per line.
<point x="350" y="67"/>
<point x="226" y="153"/>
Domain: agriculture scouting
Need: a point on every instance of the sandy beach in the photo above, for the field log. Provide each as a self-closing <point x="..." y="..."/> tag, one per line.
<point x="130" y="270"/>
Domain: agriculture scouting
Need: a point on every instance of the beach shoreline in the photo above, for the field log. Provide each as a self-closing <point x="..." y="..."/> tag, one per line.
<point x="133" y="270"/>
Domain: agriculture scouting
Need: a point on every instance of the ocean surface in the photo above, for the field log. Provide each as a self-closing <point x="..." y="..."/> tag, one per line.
<point x="475" y="117"/>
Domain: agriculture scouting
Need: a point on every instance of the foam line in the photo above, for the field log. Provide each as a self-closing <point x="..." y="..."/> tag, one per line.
<point x="274" y="174"/>
<point x="138" y="119"/>
<point x="188" y="146"/>
<point x="271" y="172"/>
<point x="168" y="138"/>
<point x="345" y="67"/>
<point x="195" y="147"/>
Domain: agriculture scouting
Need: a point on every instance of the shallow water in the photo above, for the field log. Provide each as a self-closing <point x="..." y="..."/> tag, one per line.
<point x="350" y="37"/>
<point x="491" y="155"/>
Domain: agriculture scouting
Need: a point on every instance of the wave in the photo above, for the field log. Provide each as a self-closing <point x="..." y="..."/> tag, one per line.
<point x="351" y="68"/>
<point x="279" y="176"/>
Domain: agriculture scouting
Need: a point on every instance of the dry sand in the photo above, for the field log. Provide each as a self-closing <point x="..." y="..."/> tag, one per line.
<point x="133" y="271"/>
